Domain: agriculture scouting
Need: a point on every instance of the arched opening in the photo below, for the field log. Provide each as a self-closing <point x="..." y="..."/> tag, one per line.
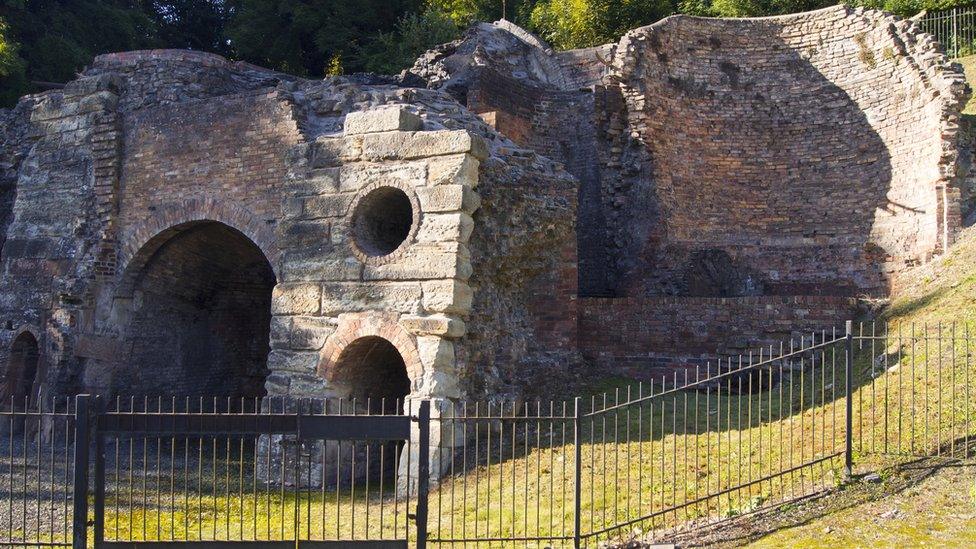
<point x="382" y="220"/>
<point x="372" y="371"/>
<point x="21" y="369"/>
<point x="200" y="316"/>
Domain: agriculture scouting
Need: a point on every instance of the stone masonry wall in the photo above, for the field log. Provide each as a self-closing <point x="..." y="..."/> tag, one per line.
<point x="816" y="150"/>
<point x="815" y="154"/>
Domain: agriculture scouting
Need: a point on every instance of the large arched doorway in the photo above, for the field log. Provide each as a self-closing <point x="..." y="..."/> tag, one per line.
<point x="21" y="370"/>
<point x="200" y="316"/>
<point x="372" y="371"/>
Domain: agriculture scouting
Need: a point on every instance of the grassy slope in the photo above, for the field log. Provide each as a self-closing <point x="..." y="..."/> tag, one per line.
<point x="969" y="66"/>
<point x="709" y="452"/>
<point x="922" y="504"/>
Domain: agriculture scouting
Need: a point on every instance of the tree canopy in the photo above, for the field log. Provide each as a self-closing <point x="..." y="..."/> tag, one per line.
<point x="49" y="41"/>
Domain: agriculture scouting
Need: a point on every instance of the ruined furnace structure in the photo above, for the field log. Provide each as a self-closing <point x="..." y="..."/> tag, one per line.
<point x="497" y="216"/>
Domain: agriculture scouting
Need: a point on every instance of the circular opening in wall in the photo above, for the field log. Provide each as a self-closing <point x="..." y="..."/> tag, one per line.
<point x="382" y="220"/>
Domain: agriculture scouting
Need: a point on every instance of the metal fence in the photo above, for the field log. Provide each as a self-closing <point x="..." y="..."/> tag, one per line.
<point x="37" y="456"/>
<point x="954" y="28"/>
<point x="649" y="461"/>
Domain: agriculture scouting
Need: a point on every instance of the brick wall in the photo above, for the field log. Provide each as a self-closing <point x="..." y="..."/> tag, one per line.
<point x="811" y="148"/>
<point x="642" y="336"/>
<point x="233" y="148"/>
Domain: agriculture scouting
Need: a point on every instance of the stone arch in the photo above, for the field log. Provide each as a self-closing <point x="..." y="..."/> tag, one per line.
<point x="166" y="221"/>
<point x="195" y="310"/>
<point x="24" y="367"/>
<point x="355" y="337"/>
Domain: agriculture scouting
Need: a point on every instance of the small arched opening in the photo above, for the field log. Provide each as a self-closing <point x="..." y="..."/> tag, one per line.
<point x="372" y="371"/>
<point x="21" y="370"/>
<point x="200" y="315"/>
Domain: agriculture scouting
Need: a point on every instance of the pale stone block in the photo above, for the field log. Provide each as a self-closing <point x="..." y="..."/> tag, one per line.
<point x="335" y="151"/>
<point x="403" y="297"/>
<point x="447" y="296"/>
<point x="382" y="119"/>
<point x="408" y="145"/>
<point x="425" y="260"/>
<point x="280" y="332"/>
<point x="301" y="267"/>
<point x="353" y="177"/>
<point x="439" y="384"/>
<point x="459" y="169"/>
<point x="435" y="325"/>
<point x="330" y="205"/>
<point x="294" y="361"/>
<point x="296" y="299"/>
<point x="448" y="198"/>
<point x="310" y="332"/>
<point x="451" y="227"/>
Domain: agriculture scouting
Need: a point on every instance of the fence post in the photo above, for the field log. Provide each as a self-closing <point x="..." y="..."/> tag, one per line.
<point x="79" y="526"/>
<point x="99" y="480"/>
<point x="955" y="34"/>
<point x="848" y="392"/>
<point x="577" y="472"/>
<point x="423" y="473"/>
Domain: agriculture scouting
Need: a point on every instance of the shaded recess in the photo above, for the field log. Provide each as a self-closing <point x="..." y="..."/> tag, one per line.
<point x="201" y="316"/>
<point x="382" y="221"/>
<point x="373" y="372"/>
<point x="21" y="368"/>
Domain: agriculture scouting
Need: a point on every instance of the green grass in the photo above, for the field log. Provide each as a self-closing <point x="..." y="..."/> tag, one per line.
<point x="969" y="67"/>
<point x="720" y="449"/>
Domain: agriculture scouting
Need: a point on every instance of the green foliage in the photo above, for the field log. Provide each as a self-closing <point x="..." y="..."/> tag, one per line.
<point x="465" y="12"/>
<point x="390" y="53"/>
<point x="12" y="77"/>
<point x="302" y="36"/>
<point x="57" y="38"/>
<point x="581" y="23"/>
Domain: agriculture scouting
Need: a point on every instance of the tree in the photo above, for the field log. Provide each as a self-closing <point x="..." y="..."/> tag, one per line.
<point x="390" y="53"/>
<point x="12" y="76"/>
<point x="303" y="37"/>
<point x="57" y="38"/>
<point x="581" y="23"/>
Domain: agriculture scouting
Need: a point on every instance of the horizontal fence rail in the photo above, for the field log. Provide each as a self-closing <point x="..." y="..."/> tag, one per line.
<point x="650" y="462"/>
<point x="37" y="454"/>
<point x="954" y="28"/>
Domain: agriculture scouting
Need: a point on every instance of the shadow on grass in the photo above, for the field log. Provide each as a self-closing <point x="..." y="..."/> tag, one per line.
<point x="753" y="527"/>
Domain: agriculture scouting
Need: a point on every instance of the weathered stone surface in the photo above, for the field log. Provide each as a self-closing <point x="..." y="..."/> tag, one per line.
<point x="188" y="214"/>
<point x="280" y="360"/>
<point x="459" y="169"/>
<point x="408" y="145"/>
<point x="358" y="175"/>
<point x="382" y="119"/>
<point x="296" y="298"/>
<point x="433" y="325"/>
<point x="447" y="296"/>
<point x="452" y="227"/>
<point x="334" y="151"/>
<point x="424" y="261"/>
<point x="401" y="297"/>
<point x="449" y="198"/>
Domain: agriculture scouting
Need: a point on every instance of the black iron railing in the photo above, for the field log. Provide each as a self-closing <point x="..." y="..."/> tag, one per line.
<point x="696" y="447"/>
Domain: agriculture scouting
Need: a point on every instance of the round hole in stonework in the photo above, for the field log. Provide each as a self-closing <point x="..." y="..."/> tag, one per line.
<point x="382" y="221"/>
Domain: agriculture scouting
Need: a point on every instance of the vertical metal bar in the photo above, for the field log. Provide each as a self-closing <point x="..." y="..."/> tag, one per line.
<point x="849" y="408"/>
<point x="423" y="472"/>
<point x="577" y="471"/>
<point x="80" y="524"/>
<point x="99" y="474"/>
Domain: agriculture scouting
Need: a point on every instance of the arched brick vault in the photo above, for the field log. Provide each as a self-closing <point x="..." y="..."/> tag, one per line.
<point x="166" y="221"/>
<point x="39" y="374"/>
<point x="353" y="326"/>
